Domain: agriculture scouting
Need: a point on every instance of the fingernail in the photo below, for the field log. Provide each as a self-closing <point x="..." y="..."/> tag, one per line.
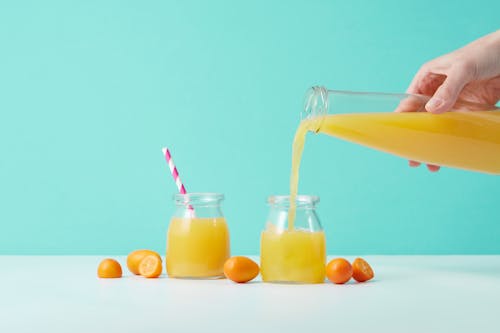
<point x="413" y="164"/>
<point x="434" y="104"/>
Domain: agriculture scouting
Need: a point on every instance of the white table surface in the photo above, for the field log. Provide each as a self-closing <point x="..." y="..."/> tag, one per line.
<point x="409" y="294"/>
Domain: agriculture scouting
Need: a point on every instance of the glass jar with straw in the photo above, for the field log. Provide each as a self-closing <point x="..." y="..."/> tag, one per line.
<point x="198" y="235"/>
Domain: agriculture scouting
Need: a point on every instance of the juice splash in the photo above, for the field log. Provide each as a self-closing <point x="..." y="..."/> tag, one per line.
<point x="197" y="247"/>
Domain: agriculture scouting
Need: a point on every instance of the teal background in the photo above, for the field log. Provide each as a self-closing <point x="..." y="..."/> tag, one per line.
<point x="91" y="90"/>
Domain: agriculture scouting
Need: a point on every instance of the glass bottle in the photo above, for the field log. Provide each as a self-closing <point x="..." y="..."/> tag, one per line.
<point x="293" y="251"/>
<point x="198" y="237"/>
<point x="398" y="124"/>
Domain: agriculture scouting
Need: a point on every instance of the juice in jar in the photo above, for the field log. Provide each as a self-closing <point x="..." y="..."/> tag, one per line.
<point x="293" y="256"/>
<point x="197" y="247"/>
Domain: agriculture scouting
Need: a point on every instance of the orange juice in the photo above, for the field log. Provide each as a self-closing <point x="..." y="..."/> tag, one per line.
<point x="197" y="247"/>
<point x="297" y="149"/>
<point x="461" y="139"/>
<point x="467" y="140"/>
<point x="292" y="256"/>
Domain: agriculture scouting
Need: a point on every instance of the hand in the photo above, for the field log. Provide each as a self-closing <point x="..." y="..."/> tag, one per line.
<point x="471" y="73"/>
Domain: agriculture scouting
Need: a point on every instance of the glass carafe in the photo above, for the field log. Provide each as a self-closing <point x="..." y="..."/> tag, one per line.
<point x="293" y="252"/>
<point x="198" y="237"/>
<point x="467" y="137"/>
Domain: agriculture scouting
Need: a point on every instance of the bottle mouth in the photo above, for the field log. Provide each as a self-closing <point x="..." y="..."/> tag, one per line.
<point x="198" y="198"/>
<point x="315" y="103"/>
<point x="300" y="200"/>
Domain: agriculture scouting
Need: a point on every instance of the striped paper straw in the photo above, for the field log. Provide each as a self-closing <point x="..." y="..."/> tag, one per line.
<point x="175" y="174"/>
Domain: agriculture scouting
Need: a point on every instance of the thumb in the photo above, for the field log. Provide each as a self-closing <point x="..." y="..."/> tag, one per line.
<point x="447" y="94"/>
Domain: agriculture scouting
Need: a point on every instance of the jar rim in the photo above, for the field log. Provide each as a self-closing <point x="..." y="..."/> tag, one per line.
<point x="300" y="200"/>
<point x="198" y="197"/>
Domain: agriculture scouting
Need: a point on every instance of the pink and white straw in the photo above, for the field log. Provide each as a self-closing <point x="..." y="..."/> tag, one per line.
<point x="175" y="174"/>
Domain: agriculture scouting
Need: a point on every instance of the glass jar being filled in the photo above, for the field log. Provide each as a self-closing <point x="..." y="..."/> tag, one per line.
<point x="293" y="251"/>
<point x="198" y="237"/>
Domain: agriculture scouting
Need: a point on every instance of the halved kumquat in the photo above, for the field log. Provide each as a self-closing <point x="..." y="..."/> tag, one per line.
<point x="134" y="259"/>
<point x="361" y="270"/>
<point x="150" y="266"/>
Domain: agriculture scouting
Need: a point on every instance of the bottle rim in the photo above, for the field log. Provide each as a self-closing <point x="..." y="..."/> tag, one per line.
<point x="315" y="103"/>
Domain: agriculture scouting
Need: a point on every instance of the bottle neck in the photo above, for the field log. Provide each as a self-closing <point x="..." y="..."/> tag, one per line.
<point x="320" y="102"/>
<point x="316" y="103"/>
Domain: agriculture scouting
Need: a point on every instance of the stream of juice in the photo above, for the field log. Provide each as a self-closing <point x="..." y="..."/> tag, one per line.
<point x="293" y="255"/>
<point x="467" y="140"/>
<point x="297" y="149"/>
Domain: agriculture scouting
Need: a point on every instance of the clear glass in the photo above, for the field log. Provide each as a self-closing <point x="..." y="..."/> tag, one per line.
<point x="468" y="137"/>
<point x="320" y="101"/>
<point x="197" y="237"/>
<point x="293" y="254"/>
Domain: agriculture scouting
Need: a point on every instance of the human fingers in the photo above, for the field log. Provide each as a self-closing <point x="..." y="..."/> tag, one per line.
<point x="424" y="83"/>
<point x="413" y="164"/>
<point x="447" y="94"/>
<point x="414" y="87"/>
<point x="411" y="104"/>
<point x="433" y="168"/>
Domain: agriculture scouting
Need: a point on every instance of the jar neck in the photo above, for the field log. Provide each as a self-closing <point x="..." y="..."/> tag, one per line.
<point x="304" y="215"/>
<point x="199" y="205"/>
<point x="198" y="199"/>
<point x="301" y="201"/>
